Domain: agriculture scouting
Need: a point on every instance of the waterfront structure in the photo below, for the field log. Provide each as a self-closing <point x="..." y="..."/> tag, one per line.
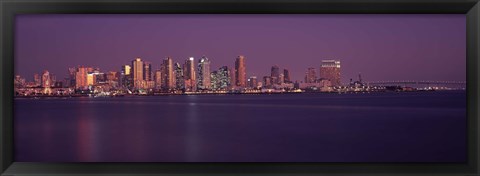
<point x="137" y="73"/>
<point x="147" y="71"/>
<point x="204" y="74"/>
<point x="70" y="81"/>
<point x="330" y="70"/>
<point x="179" y="77"/>
<point x="311" y="75"/>
<point x="240" y="72"/>
<point x="189" y="74"/>
<point x="232" y="76"/>
<point x="286" y="76"/>
<point x="168" y="78"/>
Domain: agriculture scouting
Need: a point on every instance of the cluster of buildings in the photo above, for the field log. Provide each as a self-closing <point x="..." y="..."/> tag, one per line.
<point x="139" y="77"/>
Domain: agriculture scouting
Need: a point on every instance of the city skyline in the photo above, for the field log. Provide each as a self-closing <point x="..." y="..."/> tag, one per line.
<point x="48" y="42"/>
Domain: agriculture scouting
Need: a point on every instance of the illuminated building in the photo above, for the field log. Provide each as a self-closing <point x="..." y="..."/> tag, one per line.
<point x="137" y="73"/>
<point x="281" y="79"/>
<point x="311" y="75"/>
<point x="125" y="76"/>
<point x="46" y="82"/>
<point x="204" y="73"/>
<point x="81" y="78"/>
<point x="252" y="82"/>
<point x="179" y="78"/>
<point x="90" y="79"/>
<point x="275" y="74"/>
<point x="330" y="70"/>
<point x="232" y="77"/>
<point x="286" y="76"/>
<point x="214" y="80"/>
<point x="240" y="71"/>
<point x="224" y="78"/>
<point x="158" y="79"/>
<point x="168" y="78"/>
<point x="189" y="74"/>
<point x="267" y="81"/>
<point x="37" y="80"/>
<point x="147" y="71"/>
<point x="70" y="82"/>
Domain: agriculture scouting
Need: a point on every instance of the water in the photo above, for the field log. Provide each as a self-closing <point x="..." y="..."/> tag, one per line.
<point x="374" y="127"/>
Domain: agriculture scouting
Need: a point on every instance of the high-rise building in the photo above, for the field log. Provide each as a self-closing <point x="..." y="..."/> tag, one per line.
<point x="147" y="71"/>
<point x="81" y="77"/>
<point x="311" y="75"/>
<point x="137" y="73"/>
<point x="224" y="78"/>
<point x="71" y="77"/>
<point x="168" y="78"/>
<point x="90" y="79"/>
<point x="179" y="78"/>
<point x="125" y="76"/>
<point x="232" y="78"/>
<point x="158" y="79"/>
<point x="267" y="81"/>
<point x="189" y="74"/>
<point x="286" y="76"/>
<point x="203" y="81"/>
<point x="281" y="79"/>
<point x="37" y="80"/>
<point x="46" y="80"/>
<point x="275" y="74"/>
<point x="214" y="80"/>
<point x="252" y="82"/>
<point x="330" y="70"/>
<point x="240" y="72"/>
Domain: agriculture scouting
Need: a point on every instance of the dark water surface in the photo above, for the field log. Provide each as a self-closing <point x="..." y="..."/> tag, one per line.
<point x="375" y="127"/>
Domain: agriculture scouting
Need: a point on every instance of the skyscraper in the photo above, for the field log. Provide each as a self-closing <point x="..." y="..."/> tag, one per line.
<point x="214" y="80"/>
<point x="81" y="78"/>
<point x="46" y="82"/>
<point x="204" y="73"/>
<point x="137" y="75"/>
<point x="311" y="75"/>
<point x="252" y="82"/>
<point x="224" y="78"/>
<point x="168" y="79"/>
<point x="330" y="70"/>
<point x="286" y="76"/>
<point x="179" y="78"/>
<point x="37" y="80"/>
<point x="125" y="76"/>
<point x="189" y="74"/>
<point x="275" y="74"/>
<point x="147" y="71"/>
<point x="240" y="71"/>
<point x="158" y="79"/>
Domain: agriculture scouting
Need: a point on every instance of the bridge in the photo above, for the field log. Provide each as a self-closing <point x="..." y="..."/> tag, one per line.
<point x="413" y="83"/>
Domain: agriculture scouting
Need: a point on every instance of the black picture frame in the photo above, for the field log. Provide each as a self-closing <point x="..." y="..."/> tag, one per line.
<point x="10" y="8"/>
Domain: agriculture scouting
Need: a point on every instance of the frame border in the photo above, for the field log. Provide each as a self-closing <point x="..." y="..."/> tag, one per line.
<point x="9" y="8"/>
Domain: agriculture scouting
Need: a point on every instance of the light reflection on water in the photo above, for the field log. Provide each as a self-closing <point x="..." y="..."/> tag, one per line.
<point x="409" y="127"/>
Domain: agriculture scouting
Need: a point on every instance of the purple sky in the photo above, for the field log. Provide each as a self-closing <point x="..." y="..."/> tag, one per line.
<point x="381" y="47"/>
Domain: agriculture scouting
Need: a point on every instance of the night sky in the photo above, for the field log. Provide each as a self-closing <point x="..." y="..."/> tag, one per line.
<point x="381" y="47"/>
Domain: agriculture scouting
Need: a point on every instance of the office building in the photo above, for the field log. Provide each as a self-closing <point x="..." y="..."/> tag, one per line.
<point x="203" y="81"/>
<point x="330" y="70"/>
<point x="240" y="72"/>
